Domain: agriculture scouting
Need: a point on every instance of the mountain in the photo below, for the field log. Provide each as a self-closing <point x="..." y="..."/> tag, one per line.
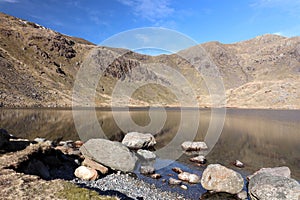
<point x="43" y="68"/>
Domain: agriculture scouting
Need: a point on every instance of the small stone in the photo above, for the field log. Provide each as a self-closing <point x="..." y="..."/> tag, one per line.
<point x="147" y="155"/>
<point x="74" y="152"/>
<point x="238" y="163"/>
<point x="173" y="181"/>
<point x="155" y="176"/>
<point x="242" y="195"/>
<point x="193" y="146"/>
<point x="191" y="178"/>
<point x="77" y="144"/>
<point x="199" y="159"/>
<point x="146" y="170"/>
<point x="177" y="170"/>
<point x="94" y="165"/>
<point x="86" y="173"/>
<point x="135" y="140"/>
<point x="184" y="187"/>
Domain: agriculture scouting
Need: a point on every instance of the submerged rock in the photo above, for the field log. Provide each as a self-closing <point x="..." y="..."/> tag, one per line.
<point x="147" y="155"/>
<point x="146" y="170"/>
<point x="193" y="146"/>
<point x="265" y="186"/>
<point x="276" y="171"/>
<point x="86" y="173"/>
<point x="135" y="140"/>
<point x="111" y="154"/>
<point x="155" y="176"/>
<point x="177" y="170"/>
<point x="221" y="179"/>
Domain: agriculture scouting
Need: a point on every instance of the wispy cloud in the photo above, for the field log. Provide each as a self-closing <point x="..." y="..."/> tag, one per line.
<point x="291" y="7"/>
<point x="9" y="1"/>
<point x="294" y="31"/>
<point x="152" y="10"/>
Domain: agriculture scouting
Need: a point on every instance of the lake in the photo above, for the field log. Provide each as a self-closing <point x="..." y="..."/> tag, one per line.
<point x="258" y="138"/>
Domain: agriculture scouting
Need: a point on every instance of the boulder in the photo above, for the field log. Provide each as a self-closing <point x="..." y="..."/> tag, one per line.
<point x="147" y="155"/>
<point x="193" y="146"/>
<point x="112" y="154"/>
<point x="265" y="186"/>
<point x="86" y="173"/>
<point x="221" y="179"/>
<point x="135" y="140"/>
<point x="276" y="171"/>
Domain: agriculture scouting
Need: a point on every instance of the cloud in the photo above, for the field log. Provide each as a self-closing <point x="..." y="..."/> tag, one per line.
<point x="152" y="10"/>
<point x="291" y="32"/>
<point x="291" y="7"/>
<point x="9" y="1"/>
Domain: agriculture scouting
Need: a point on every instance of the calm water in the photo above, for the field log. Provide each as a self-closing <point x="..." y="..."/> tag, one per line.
<point x="259" y="138"/>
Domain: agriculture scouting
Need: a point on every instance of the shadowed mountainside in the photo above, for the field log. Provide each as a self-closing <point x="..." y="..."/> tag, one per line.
<point x="39" y="67"/>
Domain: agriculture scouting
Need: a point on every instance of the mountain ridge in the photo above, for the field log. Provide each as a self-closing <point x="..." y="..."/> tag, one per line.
<point x="39" y="68"/>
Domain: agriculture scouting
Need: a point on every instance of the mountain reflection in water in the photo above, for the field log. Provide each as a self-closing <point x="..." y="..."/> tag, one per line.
<point x="259" y="138"/>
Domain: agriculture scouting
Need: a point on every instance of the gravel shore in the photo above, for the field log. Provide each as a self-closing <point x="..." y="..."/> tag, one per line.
<point x="127" y="187"/>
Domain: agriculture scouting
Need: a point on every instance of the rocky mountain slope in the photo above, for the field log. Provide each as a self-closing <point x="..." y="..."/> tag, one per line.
<point x="39" y="68"/>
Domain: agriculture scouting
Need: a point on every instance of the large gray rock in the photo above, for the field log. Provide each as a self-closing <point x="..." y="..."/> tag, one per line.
<point x="265" y="186"/>
<point x="276" y="171"/>
<point x="112" y="154"/>
<point x="135" y="140"/>
<point x="221" y="179"/>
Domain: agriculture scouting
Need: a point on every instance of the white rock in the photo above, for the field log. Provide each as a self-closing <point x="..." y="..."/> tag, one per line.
<point x="86" y="173"/>
<point x="238" y="163"/>
<point x="191" y="178"/>
<point x="193" y="146"/>
<point x="135" y="140"/>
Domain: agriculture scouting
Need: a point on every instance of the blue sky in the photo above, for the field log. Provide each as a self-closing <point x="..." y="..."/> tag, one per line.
<point x="202" y="20"/>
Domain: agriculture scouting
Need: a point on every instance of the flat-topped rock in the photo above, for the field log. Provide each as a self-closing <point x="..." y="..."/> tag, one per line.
<point x="276" y="171"/>
<point x="193" y="146"/>
<point x="135" y="140"/>
<point x="111" y="154"/>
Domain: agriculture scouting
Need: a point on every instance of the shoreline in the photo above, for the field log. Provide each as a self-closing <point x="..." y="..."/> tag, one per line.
<point x="143" y="108"/>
